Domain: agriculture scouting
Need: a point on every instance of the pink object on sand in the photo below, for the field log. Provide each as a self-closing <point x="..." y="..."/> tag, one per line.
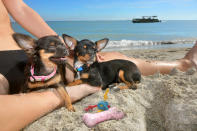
<point x="91" y="119"/>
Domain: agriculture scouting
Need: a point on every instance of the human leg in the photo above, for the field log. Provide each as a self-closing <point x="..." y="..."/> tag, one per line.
<point x="148" y="67"/>
<point x="192" y="55"/>
<point x="19" y="110"/>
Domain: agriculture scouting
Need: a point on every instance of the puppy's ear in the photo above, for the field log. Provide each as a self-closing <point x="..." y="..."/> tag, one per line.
<point x="101" y="44"/>
<point x="69" y="41"/>
<point x="25" y="42"/>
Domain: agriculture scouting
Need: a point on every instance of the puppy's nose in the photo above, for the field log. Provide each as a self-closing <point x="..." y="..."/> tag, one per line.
<point x="66" y="52"/>
<point x="62" y="50"/>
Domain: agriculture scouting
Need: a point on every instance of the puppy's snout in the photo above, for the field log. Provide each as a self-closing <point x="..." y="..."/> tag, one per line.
<point x="92" y="56"/>
<point x="92" y="52"/>
<point x="62" y="50"/>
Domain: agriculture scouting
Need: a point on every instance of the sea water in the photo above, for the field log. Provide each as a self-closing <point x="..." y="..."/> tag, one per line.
<point x="126" y="35"/>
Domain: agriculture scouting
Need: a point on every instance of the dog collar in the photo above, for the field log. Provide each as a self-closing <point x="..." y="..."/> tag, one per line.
<point x="79" y="69"/>
<point x="34" y="78"/>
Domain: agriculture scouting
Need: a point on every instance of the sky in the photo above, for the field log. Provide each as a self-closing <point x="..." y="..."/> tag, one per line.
<point x="55" y="10"/>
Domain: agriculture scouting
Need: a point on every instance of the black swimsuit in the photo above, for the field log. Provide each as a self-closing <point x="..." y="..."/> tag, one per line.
<point x="12" y="65"/>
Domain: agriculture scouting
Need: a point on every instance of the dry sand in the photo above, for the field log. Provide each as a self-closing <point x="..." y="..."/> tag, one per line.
<point x="161" y="102"/>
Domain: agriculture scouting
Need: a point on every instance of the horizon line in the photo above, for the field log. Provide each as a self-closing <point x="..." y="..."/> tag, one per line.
<point x="115" y="20"/>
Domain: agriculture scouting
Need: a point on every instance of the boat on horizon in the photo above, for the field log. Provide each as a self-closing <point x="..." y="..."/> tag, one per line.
<point x="146" y="19"/>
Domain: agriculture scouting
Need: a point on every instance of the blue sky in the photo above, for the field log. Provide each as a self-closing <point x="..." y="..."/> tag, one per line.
<point x="114" y="9"/>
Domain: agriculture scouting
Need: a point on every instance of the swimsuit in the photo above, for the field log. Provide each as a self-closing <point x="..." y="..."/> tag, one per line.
<point x="12" y="66"/>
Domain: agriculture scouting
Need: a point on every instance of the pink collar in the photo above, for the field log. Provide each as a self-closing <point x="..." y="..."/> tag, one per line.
<point x="41" y="78"/>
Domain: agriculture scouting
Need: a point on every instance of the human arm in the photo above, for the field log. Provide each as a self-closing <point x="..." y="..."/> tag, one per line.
<point x="17" y="111"/>
<point x="28" y="18"/>
<point x="99" y="57"/>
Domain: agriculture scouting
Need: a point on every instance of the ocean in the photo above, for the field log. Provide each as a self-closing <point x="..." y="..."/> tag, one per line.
<point x="125" y="35"/>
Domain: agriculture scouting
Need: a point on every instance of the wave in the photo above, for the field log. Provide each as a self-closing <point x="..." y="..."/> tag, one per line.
<point x="126" y="43"/>
<point x="141" y="44"/>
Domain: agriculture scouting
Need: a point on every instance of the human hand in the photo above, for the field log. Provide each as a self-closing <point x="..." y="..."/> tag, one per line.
<point x="99" y="57"/>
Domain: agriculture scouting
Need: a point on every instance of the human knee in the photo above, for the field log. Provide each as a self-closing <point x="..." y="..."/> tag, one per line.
<point x="185" y="64"/>
<point x="118" y="55"/>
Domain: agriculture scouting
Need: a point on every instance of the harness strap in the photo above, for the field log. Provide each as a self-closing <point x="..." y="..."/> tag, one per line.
<point x="70" y="67"/>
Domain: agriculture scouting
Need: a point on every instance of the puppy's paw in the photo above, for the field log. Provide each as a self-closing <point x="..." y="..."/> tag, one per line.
<point x="112" y="85"/>
<point x="115" y="88"/>
<point x="71" y="108"/>
<point x="134" y="87"/>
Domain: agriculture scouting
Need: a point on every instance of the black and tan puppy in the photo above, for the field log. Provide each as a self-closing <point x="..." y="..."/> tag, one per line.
<point x="100" y="74"/>
<point x="46" y="64"/>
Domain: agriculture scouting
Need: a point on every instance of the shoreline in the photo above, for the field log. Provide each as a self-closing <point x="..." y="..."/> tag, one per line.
<point x="166" y="54"/>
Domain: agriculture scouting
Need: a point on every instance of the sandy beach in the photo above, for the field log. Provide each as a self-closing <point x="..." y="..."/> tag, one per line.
<point x="161" y="102"/>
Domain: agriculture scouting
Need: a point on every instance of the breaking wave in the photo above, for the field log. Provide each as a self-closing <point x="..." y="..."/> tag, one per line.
<point x="132" y="44"/>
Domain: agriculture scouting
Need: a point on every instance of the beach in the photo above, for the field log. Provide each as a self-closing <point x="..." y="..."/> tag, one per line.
<point x="161" y="102"/>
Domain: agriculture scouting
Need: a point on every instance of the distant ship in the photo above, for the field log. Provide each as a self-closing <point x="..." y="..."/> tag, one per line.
<point x="146" y="19"/>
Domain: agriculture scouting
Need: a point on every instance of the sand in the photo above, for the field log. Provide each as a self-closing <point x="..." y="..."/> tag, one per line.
<point x="161" y="102"/>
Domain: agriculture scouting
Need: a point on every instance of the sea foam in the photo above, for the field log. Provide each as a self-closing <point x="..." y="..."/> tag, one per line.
<point x="128" y="44"/>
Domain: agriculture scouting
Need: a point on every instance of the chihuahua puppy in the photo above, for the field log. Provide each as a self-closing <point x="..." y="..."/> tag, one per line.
<point x="91" y="72"/>
<point x="46" y="64"/>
